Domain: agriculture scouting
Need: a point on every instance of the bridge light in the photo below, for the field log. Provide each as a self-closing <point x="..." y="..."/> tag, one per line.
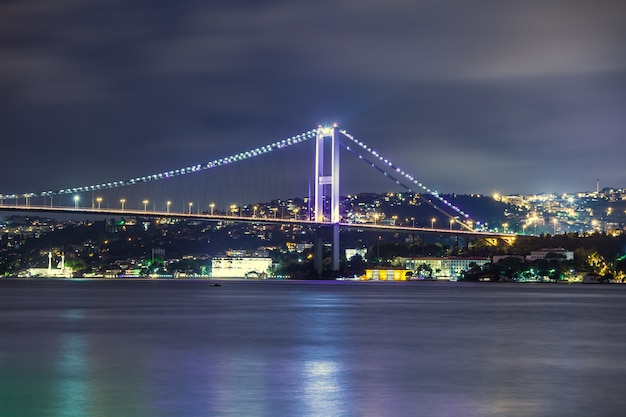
<point x="76" y="200"/>
<point x="326" y="131"/>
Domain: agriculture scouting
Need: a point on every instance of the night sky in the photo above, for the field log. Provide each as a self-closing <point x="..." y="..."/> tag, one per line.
<point x="475" y="96"/>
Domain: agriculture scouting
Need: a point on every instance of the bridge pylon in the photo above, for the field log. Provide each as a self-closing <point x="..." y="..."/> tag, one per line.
<point x="327" y="176"/>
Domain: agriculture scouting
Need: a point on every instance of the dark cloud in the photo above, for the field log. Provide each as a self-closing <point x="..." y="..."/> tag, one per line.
<point x="470" y="96"/>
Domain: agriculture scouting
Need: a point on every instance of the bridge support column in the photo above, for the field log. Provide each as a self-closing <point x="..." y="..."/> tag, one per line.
<point x="326" y="233"/>
<point x="336" y="247"/>
<point x="318" y="253"/>
<point x="328" y="177"/>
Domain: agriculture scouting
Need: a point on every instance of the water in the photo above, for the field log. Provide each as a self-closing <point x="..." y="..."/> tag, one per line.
<point x="184" y="348"/>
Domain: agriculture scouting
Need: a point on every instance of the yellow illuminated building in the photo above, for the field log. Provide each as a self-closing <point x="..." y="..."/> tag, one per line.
<point x="386" y="275"/>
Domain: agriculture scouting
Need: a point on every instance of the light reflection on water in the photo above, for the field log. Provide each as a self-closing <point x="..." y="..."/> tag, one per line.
<point x="179" y="348"/>
<point x="73" y="385"/>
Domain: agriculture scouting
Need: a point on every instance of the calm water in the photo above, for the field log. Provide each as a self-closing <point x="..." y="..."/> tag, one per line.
<point x="183" y="348"/>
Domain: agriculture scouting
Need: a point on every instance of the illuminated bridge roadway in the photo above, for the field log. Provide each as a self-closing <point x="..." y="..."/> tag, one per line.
<point x="253" y="219"/>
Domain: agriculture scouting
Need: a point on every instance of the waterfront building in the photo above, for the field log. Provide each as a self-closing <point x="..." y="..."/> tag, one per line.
<point x="240" y="267"/>
<point x="444" y="268"/>
<point x="352" y="252"/>
<point x="61" y="271"/>
<point x="553" y="252"/>
<point x="384" y="274"/>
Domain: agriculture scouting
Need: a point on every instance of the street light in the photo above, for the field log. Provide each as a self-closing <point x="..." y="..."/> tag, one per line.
<point x="168" y="204"/>
<point x="122" y="202"/>
<point x="432" y="223"/>
<point x="145" y="205"/>
<point x="190" y="206"/>
<point x="451" y="223"/>
<point x="76" y="200"/>
<point x="99" y="200"/>
<point x="295" y="213"/>
<point x="233" y="207"/>
<point x="254" y="211"/>
<point x="212" y="206"/>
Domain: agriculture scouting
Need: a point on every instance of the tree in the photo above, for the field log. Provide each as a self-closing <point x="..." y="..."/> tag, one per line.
<point x="424" y="270"/>
<point x="510" y="266"/>
<point x="356" y="266"/>
<point x="619" y="268"/>
<point x="75" y="264"/>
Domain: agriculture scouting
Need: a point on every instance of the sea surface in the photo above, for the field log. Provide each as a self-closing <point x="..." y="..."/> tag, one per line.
<point x="310" y="348"/>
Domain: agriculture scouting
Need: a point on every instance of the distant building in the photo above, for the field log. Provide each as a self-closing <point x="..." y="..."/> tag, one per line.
<point x="542" y="253"/>
<point x="384" y="274"/>
<point x="445" y="268"/>
<point x="352" y="252"/>
<point x="61" y="271"/>
<point x="498" y="258"/>
<point x="240" y="267"/>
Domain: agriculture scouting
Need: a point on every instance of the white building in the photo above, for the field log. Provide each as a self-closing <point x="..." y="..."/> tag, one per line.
<point x="542" y="253"/>
<point x="61" y="271"/>
<point x="231" y="267"/>
<point x="351" y="252"/>
<point x="446" y="268"/>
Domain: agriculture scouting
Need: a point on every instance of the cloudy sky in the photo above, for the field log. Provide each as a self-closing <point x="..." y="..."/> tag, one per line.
<point x="469" y="96"/>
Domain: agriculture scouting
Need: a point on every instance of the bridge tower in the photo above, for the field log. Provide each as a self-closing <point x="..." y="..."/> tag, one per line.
<point x="327" y="177"/>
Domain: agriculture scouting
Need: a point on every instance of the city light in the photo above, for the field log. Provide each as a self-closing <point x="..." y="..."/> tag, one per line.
<point x="565" y="212"/>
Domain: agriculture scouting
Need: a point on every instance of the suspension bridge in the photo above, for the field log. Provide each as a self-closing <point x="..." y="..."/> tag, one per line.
<point x="323" y="207"/>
